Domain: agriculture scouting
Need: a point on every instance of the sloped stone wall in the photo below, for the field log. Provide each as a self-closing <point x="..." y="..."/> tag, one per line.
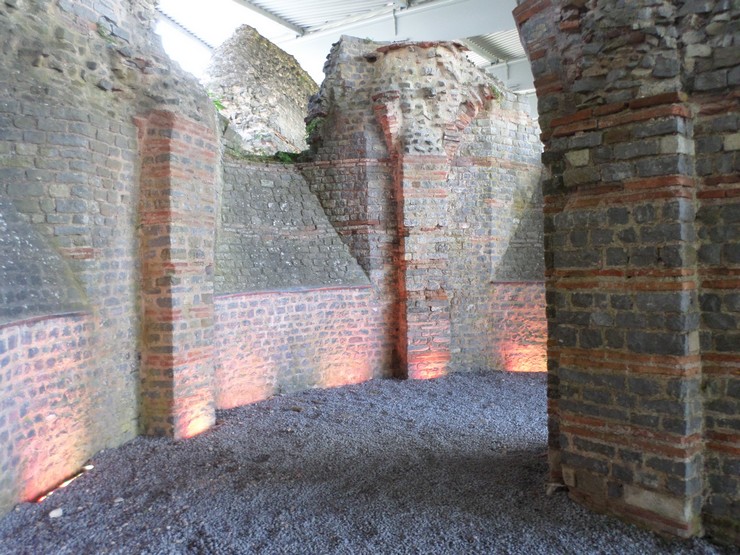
<point x="34" y="277"/>
<point x="293" y="308"/>
<point x="274" y="235"/>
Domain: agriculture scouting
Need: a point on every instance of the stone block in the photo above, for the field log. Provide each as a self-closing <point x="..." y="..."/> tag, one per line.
<point x="579" y="176"/>
<point x="578" y="158"/>
<point x="618" y="215"/>
<point x="732" y="142"/>
<point x="639" y="341"/>
<point x="667" y="506"/>
<point x="711" y="80"/>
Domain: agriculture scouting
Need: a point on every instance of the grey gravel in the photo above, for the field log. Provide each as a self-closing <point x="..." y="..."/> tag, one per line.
<point x="452" y="465"/>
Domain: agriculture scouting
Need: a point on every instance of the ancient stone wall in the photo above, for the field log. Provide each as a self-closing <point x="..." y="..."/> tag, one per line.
<point x="274" y="235"/>
<point x="428" y="177"/>
<point x="352" y="176"/>
<point x="144" y="297"/>
<point x="639" y="113"/>
<point x="293" y="307"/>
<point x="263" y="90"/>
<point x="496" y="256"/>
<point x="270" y="342"/>
<point x="712" y="62"/>
<point x="73" y="77"/>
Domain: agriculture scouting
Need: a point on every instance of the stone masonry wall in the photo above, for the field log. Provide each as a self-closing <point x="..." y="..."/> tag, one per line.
<point x="263" y="90"/>
<point x="177" y="223"/>
<point x="274" y="235"/>
<point x="352" y="177"/>
<point x="35" y="278"/>
<point x="639" y="114"/>
<point x="711" y="55"/>
<point x="426" y="176"/>
<point x="51" y="395"/>
<point x="73" y="76"/>
<point x="496" y="256"/>
<point x="293" y="307"/>
<point x="271" y="342"/>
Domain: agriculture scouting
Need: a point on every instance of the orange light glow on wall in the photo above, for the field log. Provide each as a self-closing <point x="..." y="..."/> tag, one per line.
<point x="193" y="415"/>
<point x="51" y="421"/>
<point x="519" y="339"/>
<point x="196" y="426"/>
<point x="263" y="340"/>
<point x="524" y="358"/>
<point x="346" y="370"/>
<point x="429" y="365"/>
<point x="64" y="484"/>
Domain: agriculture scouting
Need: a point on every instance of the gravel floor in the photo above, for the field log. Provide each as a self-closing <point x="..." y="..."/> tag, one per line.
<point x="453" y="465"/>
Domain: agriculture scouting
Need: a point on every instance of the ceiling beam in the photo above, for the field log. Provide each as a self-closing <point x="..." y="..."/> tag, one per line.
<point x="432" y="20"/>
<point x="481" y="50"/>
<point x="172" y="21"/>
<point x="300" y="31"/>
<point x="515" y="74"/>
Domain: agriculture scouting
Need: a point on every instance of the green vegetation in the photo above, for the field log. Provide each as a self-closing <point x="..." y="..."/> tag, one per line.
<point x="313" y="128"/>
<point x="105" y="33"/>
<point x="287" y="157"/>
<point x="280" y="156"/>
<point x="216" y="101"/>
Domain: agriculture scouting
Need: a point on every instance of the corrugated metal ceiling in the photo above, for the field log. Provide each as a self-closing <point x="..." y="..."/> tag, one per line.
<point x="315" y="15"/>
<point x="287" y="21"/>
<point x="497" y="47"/>
<point x="312" y="15"/>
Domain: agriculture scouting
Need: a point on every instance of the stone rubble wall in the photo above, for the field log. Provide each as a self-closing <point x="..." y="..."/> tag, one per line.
<point x="711" y="53"/>
<point x="427" y="178"/>
<point x="639" y="113"/>
<point x="34" y="278"/>
<point x="51" y="388"/>
<point x="73" y="77"/>
<point x="111" y="177"/>
<point x="270" y="342"/>
<point x="497" y="305"/>
<point x="274" y="235"/>
<point x="293" y="308"/>
<point x="263" y="90"/>
<point x="352" y="176"/>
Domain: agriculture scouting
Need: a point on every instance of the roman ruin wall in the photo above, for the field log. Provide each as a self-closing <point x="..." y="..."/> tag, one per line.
<point x="430" y="172"/>
<point x="293" y="308"/>
<point x="87" y="133"/>
<point x="263" y="92"/>
<point x="639" y="109"/>
<point x="153" y="272"/>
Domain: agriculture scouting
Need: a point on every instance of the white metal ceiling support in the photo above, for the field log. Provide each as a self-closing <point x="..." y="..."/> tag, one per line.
<point x="433" y="20"/>
<point x="480" y="49"/>
<point x="300" y="31"/>
<point x="172" y="21"/>
<point x="515" y="74"/>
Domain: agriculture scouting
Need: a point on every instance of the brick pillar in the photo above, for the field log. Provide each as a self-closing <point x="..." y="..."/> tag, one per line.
<point x="179" y="172"/>
<point x="423" y="188"/>
<point x="624" y="364"/>
<point x="716" y="100"/>
<point x="423" y="133"/>
<point x="420" y="188"/>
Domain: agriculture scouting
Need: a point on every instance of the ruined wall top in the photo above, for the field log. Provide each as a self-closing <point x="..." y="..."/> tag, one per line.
<point x="74" y="76"/>
<point x="427" y="92"/>
<point x="264" y="91"/>
<point x="105" y="46"/>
